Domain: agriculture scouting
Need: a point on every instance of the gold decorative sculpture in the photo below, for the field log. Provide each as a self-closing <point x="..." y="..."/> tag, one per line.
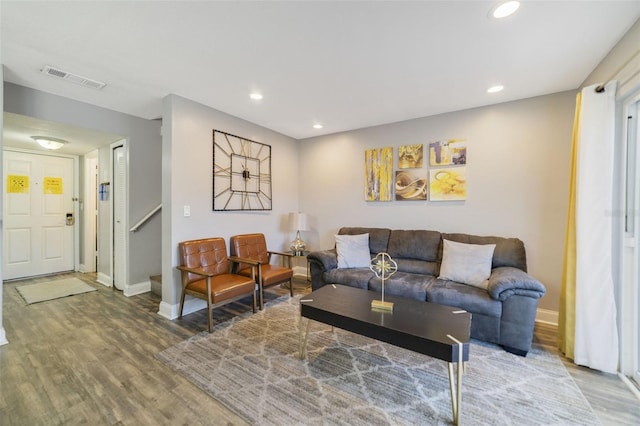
<point x="383" y="266"/>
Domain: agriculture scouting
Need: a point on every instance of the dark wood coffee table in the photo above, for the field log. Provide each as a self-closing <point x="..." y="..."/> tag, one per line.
<point x="435" y="330"/>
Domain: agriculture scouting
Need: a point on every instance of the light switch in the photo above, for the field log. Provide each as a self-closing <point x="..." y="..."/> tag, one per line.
<point x="187" y="211"/>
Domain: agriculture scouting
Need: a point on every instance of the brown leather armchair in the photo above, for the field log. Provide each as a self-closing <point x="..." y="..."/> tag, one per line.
<point x="206" y="274"/>
<point x="254" y="246"/>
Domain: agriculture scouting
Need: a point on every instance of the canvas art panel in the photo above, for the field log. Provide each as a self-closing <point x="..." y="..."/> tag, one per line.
<point x="448" y="184"/>
<point x="448" y="153"/>
<point x="410" y="156"/>
<point x="378" y="173"/>
<point x="411" y="185"/>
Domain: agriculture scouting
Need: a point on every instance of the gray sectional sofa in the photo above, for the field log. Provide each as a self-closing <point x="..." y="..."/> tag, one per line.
<point x="503" y="313"/>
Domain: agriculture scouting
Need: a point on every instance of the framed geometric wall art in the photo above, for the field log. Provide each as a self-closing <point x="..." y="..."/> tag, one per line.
<point x="378" y="174"/>
<point x="241" y="173"/>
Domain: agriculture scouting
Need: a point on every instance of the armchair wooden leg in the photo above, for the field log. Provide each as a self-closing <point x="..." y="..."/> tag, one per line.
<point x="261" y="296"/>
<point x="210" y="318"/>
<point x="209" y="307"/>
<point x="181" y="304"/>
<point x="291" y="286"/>
<point x="253" y="302"/>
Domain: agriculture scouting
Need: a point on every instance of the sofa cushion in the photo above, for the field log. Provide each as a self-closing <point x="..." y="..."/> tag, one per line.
<point x="353" y="251"/>
<point x="469" y="298"/>
<point x="466" y="263"/>
<point x="356" y="277"/>
<point x="413" y="266"/>
<point x="411" y="286"/>
<point x="378" y="237"/>
<point x="419" y="245"/>
<point x="508" y="252"/>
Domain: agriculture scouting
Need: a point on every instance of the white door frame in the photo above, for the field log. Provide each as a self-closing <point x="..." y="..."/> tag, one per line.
<point x="630" y="239"/>
<point x="89" y="212"/>
<point x="122" y="256"/>
<point x="76" y="208"/>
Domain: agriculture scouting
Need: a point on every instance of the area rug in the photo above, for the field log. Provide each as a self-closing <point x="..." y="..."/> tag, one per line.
<point x="250" y="365"/>
<point x="41" y="292"/>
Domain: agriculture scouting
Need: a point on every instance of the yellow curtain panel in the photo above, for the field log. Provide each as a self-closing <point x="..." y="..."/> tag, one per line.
<point x="567" y="313"/>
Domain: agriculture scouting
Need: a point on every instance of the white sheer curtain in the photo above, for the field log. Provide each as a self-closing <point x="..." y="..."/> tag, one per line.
<point x="596" y="333"/>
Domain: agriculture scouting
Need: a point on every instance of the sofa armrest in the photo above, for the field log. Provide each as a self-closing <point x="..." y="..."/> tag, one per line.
<point x="507" y="281"/>
<point x="319" y="263"/>
<point x="326" y="259"/>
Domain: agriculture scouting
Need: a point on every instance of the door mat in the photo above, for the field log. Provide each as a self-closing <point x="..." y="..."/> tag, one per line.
<point x="50" y="290"/>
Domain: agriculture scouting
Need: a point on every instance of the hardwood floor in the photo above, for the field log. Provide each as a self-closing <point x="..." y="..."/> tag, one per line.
<point x="89" y="359"/>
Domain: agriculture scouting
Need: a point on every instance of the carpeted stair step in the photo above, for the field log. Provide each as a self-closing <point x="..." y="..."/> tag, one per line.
<point x="156" y="284"/>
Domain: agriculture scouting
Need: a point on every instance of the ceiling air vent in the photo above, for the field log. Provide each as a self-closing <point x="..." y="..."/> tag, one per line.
<point x="73" y="78"/>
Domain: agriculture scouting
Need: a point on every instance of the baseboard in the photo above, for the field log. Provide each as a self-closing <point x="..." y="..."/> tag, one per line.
<point x="138" y="288"/>
<point x="104" y="279"/>
<point x="634" y="390"/>
<point x="166" y="310"/>
<point x="546" y="316"/>
<point x="191" y="304"/>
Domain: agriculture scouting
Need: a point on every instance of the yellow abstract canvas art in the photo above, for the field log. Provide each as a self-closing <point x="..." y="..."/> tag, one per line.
<point x="378" y="174"/>
<point x="448" y="184"/>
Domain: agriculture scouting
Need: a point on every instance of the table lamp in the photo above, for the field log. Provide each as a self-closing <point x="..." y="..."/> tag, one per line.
<point x="298" y="222"/>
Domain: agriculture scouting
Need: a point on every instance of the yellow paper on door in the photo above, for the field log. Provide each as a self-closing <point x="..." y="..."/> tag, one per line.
<point x="17" y="184"/>
<point x="52" y="185"/>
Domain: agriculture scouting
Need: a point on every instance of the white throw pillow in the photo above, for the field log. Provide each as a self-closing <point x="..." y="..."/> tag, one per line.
<point x="466" y="263"/>
<point x="353" y="251"/>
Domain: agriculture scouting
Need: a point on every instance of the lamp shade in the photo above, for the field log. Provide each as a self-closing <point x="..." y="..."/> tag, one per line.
<point x="298" y="221"/>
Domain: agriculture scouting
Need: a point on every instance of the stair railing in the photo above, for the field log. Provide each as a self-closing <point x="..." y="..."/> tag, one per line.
<point x="148" y="216"/>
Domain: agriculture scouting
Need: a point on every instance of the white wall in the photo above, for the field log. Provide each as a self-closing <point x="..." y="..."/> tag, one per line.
<point x="626" y="47"/>
<point x="3" y="338"/>
<point x="517" y="179"/>
<point x="187" y="168"/>
<point x="144" y="145"/>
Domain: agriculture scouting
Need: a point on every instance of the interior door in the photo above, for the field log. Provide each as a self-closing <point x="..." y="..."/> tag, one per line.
<point x="38" y="214"/>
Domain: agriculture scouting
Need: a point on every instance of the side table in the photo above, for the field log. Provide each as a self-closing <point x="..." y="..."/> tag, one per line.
<point x="302" y="254"/>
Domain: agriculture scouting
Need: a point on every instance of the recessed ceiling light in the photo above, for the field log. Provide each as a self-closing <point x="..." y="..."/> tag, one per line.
<point x="495" y="89"/>
<point x="318" y="126"/>
<point x="502" y="10"/>
<point x="255" y="96"/>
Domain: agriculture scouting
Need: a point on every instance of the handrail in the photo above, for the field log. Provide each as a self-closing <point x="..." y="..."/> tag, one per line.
<point x="145" y="218"/>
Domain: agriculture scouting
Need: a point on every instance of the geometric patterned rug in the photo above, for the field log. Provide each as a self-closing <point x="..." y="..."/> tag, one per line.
<point x="250" y="365"/>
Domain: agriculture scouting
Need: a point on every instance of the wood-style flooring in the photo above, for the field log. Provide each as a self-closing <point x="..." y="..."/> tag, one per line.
<point x="89" y="359"/>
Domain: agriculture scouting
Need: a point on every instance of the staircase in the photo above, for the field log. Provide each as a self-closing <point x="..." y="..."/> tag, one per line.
<point x="156" y="284"/>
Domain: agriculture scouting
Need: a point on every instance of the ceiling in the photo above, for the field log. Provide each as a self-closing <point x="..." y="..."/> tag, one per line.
<point x="17" y="131"/>
<point x="346" y="65"/>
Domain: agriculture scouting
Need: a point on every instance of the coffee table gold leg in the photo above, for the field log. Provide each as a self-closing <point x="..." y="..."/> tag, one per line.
<point x="452" y="388"/>
<point x="300" y="338"/>
<point x="455" y="385"/>
<point x="302" y="341"/>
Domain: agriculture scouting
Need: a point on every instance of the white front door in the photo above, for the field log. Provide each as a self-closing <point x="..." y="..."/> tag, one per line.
<point x="38" y="214"/>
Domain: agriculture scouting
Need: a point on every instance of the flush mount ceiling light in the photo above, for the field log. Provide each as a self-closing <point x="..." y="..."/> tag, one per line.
<point x="504" y="9"/>
<point x="255" y="96"/>
<point x="49" y="142"/>
<point x="495" y="89"/>
<point x="318" y="126"/>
